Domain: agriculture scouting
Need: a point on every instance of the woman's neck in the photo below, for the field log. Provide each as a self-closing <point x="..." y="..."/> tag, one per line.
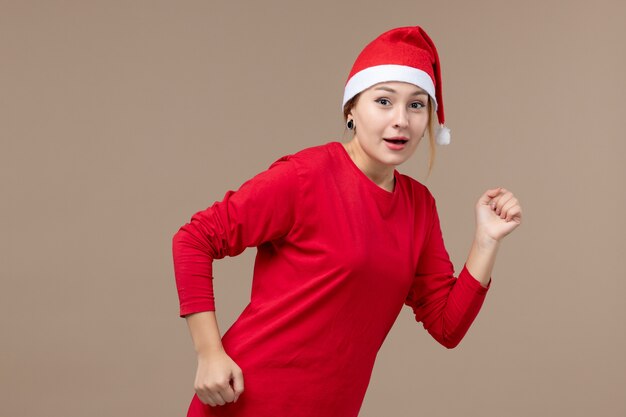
<point x="380" y="174"/>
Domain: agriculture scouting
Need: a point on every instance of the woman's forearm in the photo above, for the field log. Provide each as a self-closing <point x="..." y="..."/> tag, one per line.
<point x="204" y="332"/>
<point x="481" y="258"/>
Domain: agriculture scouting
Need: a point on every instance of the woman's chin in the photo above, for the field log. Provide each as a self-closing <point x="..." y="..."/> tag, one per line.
<point x="394" y="157"/>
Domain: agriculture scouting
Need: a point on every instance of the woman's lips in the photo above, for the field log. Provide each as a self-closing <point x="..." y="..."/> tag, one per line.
<point x="395" y="144"/>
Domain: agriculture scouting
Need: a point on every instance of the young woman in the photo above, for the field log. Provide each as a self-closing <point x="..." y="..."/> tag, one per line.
<point x="343" y="241"/>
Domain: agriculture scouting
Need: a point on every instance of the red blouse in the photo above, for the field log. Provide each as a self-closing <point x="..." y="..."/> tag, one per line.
<point x="337" y="258"/>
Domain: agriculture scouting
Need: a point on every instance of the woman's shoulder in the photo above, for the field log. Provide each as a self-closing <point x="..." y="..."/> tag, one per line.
<point x="317" y="151"/>
<point x="315" y="156"/>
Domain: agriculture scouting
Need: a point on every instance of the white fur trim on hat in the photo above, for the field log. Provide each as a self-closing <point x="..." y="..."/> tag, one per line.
<point x="366" y="78"/>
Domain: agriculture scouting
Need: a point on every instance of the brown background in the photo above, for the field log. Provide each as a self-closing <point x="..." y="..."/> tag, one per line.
<point x="120" y="119"/>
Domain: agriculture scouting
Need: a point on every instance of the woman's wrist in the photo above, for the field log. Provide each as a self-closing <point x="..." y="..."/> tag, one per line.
<point x="209" y="351"/>
<point x="205" y="333"/>
<point x="484" y="242"/>
<point x="482" y="257"/>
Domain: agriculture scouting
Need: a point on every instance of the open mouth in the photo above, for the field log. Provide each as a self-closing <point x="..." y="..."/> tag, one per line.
<point x="396" y="141"/>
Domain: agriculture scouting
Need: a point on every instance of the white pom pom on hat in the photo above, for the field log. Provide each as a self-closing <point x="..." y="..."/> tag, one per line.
<point x="443" y="135"/>
<point x="401" y="54"/>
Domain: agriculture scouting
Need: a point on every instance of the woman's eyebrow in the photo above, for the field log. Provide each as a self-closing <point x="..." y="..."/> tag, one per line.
<point x="391" y="90"/>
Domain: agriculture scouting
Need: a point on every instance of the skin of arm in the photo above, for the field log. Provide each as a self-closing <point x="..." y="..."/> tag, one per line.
<point x="498" y="213"/>
<point x="481" y="259"/>
<point x="204" y="332"/>
<point x="216" y="369"/>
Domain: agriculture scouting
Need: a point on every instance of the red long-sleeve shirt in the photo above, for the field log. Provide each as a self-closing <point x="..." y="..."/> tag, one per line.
<point x="337" y="258"/>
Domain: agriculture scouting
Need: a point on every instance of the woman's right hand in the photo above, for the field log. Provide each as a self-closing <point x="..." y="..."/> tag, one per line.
<point x="215" y="371"/>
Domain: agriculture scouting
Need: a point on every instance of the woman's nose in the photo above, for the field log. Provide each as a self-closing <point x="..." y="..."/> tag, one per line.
<point x="401" y="118"/>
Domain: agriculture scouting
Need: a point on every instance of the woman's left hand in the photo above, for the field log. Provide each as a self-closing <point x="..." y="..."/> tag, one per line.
<point x="497" y="213"/>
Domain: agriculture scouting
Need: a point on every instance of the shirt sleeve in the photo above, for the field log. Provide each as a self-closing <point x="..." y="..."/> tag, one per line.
<point x="446" y="305"/>
<point x="262" y="209"/>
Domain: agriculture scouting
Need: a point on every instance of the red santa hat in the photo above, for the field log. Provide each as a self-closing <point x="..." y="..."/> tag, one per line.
<point x="401" y="54"/>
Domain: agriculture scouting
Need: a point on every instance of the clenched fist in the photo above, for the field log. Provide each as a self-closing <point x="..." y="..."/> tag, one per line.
<point x="215" y="372"/>
<point x="497" y="213"/>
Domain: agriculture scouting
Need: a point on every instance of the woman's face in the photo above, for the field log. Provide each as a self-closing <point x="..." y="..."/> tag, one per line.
<point x="391" y="109"/>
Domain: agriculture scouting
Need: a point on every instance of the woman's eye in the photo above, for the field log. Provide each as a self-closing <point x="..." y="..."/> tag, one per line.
<point x="418" y="105"/>
<point x="382" y="101"/>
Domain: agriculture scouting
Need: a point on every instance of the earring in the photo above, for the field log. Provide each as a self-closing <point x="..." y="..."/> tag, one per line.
<point x="350" y="124"/>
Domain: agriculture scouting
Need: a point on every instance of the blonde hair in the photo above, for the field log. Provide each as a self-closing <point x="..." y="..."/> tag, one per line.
<point x="431" y="127"/>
